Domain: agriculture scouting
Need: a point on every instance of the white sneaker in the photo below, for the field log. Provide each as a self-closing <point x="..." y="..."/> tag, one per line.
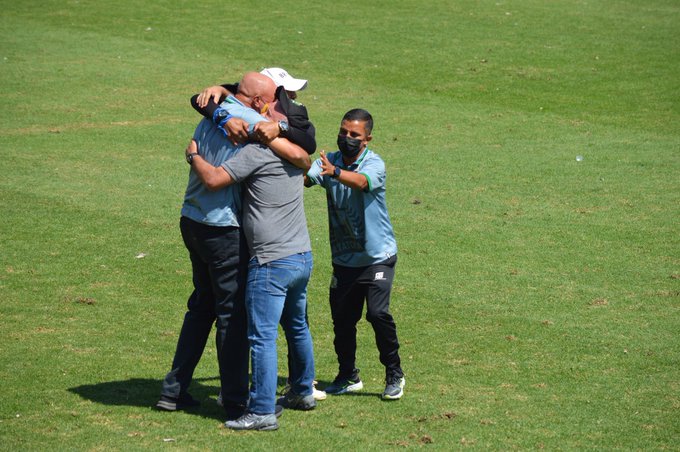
<point x="318" y="394"/>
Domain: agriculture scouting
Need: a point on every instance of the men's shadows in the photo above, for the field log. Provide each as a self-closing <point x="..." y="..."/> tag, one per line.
<point x="145" y="392"/>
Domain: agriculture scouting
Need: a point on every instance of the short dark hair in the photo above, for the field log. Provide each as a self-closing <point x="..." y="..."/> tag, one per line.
<point x="359" y="114"/>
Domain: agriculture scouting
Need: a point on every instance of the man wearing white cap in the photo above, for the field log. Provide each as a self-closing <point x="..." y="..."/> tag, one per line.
<point x="207" y="102"/>
<point x="298" y="129"/>
<point x="282" y="78"/>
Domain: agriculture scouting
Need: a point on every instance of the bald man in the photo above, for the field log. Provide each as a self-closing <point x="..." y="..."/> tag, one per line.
<point x="211" y="228"/>
<point x="275" y="228"/>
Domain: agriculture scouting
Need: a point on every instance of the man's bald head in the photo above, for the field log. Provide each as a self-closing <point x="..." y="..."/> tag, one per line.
<point x="255" y="85"/>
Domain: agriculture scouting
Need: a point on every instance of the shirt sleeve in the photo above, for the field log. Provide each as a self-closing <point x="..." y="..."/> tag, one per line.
<point x="240" y="111"/>
<point x="374" y="170"/>
<point x="314" y="173"/>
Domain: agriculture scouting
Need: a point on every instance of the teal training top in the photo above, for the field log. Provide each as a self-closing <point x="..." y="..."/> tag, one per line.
<point x="359" y="226"/>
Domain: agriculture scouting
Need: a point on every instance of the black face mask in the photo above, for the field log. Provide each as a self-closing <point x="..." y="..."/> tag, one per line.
<point x="349" y="147"/>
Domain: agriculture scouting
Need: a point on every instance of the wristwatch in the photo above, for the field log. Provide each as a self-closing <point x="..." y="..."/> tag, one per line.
<point x="283" y="128"/>
<point x="190" y="157"/>
<point x="336" y="172"/>
<point x="220" y="115"/>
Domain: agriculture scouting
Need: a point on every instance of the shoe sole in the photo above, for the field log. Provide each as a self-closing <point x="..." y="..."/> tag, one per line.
<point x="393" y="397"/>
<point x="351" y="388"/>
<point x="263" y="428"/>
<point x="174" y="406"/>
<point x="166" y="406"/>
<point x="266" y="428"/>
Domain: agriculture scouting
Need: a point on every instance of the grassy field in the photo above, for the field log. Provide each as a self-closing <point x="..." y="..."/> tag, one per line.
<point x="537" y="296"/>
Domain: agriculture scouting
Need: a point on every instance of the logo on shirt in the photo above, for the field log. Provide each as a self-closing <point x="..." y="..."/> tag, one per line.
<point x="379" y="276"/>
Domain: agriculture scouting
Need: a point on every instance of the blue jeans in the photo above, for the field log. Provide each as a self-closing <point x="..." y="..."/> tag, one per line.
<point x="276" y="292"/>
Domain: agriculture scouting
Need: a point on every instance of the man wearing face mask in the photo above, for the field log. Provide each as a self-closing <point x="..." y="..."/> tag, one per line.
<point x="364" y="252"/>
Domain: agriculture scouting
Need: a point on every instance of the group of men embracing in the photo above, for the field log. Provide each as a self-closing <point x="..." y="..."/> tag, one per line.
<point x="244" y="225"/>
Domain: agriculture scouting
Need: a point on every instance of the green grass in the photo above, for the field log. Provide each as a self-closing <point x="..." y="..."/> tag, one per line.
<point x="537" y="297"/>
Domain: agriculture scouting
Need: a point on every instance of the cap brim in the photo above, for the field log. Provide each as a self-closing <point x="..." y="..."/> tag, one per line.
<point x="295" y="84"/>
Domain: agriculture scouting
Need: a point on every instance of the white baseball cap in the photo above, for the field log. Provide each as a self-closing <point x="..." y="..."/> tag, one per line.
<point x="282" y="78"/>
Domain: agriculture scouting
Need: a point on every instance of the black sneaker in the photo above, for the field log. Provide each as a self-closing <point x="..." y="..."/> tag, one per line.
<point x="297" y="402"/>
<point x="394" y="387"/>
<point x="344" y="385"/>
<point x="252" y="421"/>
<point x="175" y="404"/>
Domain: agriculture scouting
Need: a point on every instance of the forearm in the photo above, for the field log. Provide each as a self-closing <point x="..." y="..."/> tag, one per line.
<point x="291" y="152"/>
<point x="212" y="177"/>
<point x="206" y="111"/>
<point x="353" y="180"/>
<point x="209" y="99"/>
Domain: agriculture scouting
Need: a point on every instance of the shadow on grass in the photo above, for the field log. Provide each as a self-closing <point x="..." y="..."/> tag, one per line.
<point x="144" y="392"/>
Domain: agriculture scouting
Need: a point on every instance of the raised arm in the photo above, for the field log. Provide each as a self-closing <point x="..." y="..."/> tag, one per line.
<point x="290" y="151"/>
<point x="212" y="177"/>
<point x="208" y="100"/>
<point x="353" y="180"/>
<point x="270" y="134"/>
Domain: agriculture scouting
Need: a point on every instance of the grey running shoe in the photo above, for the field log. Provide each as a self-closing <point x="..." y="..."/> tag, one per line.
<point x="344" y="385"/>
<point x="252" y="421"/>
<point x="175" y="404"/>
<point x="278" y="409"/>
<point x="294" y="401"/>
<point x="394" y="388"/>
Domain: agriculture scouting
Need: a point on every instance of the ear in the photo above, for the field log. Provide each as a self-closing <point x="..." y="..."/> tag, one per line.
<point x="369" y="138"/>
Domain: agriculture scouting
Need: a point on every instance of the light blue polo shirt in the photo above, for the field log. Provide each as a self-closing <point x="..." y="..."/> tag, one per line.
<point x="221" y="207"/>
<point x="359" y="226"/>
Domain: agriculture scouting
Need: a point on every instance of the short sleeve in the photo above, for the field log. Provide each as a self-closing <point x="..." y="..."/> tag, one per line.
<point x="240" y="111"/>
<point x="314" y="173"/>
<point x="374" y="170"/>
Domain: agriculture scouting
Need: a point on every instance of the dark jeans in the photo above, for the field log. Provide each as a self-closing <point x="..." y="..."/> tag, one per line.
<point x="219" y="260"/>
<point x="349" y="288"/>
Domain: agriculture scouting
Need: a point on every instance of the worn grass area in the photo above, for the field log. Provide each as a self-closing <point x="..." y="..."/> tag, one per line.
<point x="537" y="297"/>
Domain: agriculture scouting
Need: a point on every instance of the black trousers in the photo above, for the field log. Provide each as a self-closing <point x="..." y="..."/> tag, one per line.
<point x="219" y="262"/>
<point x="350" y="287"/>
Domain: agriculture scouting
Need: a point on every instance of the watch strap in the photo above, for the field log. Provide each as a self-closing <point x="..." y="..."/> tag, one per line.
<point x="190" y="157"/>
<point x="283" y="128"/>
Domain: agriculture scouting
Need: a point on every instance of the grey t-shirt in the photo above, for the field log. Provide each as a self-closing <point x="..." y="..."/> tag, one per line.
<point x="274" y="220"/>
